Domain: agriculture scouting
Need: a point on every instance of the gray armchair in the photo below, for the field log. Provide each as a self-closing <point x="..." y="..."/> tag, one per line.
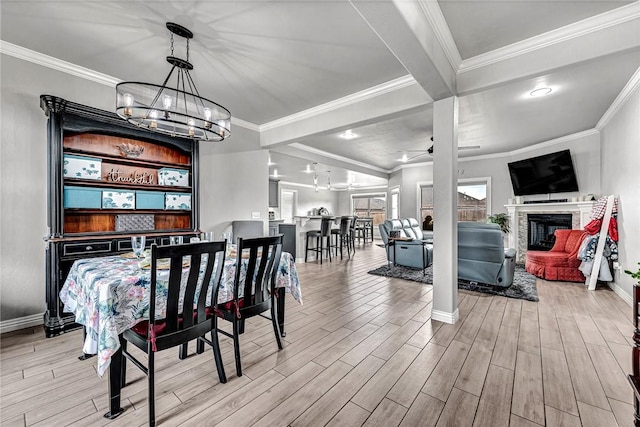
<point x="416" y="253"/>
<point x="481" y="255"/>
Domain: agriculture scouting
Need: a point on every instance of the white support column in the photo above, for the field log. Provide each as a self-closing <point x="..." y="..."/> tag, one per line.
<point x="445" y="210"/>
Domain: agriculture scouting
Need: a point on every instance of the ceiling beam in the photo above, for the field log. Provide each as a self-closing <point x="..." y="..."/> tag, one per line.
<point x="405" y="28"/>
<point x="364" y="110"/>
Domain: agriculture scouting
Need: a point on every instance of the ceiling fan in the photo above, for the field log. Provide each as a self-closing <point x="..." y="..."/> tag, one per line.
<point x="429" y="151"/>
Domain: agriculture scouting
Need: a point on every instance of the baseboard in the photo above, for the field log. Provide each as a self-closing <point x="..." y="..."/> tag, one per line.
<point x="21" y="323"/>
<point x="445" y="316"/>
<point x="622" y="294"/>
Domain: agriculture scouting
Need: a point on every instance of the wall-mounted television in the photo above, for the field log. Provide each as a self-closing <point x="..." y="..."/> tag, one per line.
<point x="549" y="173"/>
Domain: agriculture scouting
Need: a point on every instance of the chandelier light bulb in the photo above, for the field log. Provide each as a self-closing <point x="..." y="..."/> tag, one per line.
<point x="153" y="114"/>
<point x="207" y="117"/>
<point x="192" y="131"/>
<point x="128" y="102"/>
<point x="166" y="104"/>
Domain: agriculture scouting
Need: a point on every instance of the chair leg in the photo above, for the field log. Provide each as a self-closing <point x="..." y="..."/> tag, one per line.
<point x="123" y="365"/>
<point x="306" y="249"/>
<point x="199" y="347"/>
<point x="236" y="346"/>
<point x="217" y="356"/>
<point x="182" y="352"/>
<point x="151" y="379"/>
<point x="274" y="321"/>
<point x="319" y="241"/>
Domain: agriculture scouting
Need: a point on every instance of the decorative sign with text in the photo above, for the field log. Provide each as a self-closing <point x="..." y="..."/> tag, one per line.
<point x="134" y="177"/>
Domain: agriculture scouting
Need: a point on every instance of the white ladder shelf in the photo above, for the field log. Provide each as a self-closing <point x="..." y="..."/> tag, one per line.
<point x="592" y="279"/>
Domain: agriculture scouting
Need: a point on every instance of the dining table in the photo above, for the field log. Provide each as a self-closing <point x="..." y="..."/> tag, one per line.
<point x="109" y="295"/>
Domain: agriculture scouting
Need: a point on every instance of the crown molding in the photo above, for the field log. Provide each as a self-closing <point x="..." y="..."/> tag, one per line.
<point x="355" y="98"/>
<point x="552" y="142"/>
<point x="433" y="13"/>
<point x="336" y="157"/>
<point x="38" y="58"/>
<point x="621" y="99"/>
<point x="245" y="124"/>
<point x="577" y="29"/>
<point x="32" y="56"/>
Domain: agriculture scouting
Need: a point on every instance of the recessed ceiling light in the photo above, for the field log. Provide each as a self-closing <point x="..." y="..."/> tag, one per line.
<point x="348" y="134"/>
<point x="541" y="91"/>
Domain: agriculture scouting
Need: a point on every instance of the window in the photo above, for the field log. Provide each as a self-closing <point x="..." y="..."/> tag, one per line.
<point x="395" y="195"/>
<point x="370" y="206"/>
<point x="472" y="202"/>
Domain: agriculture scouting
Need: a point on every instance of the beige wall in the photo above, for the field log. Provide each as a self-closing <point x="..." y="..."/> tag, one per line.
<point x="620" y="176"/>
<point x="23" y="177"/>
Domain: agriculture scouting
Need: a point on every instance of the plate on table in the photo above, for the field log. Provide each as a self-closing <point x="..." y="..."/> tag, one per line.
<point x="163" y="264"/>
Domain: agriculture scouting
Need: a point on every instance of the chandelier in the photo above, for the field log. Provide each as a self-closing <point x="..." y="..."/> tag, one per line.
<point x="177" y="110"/>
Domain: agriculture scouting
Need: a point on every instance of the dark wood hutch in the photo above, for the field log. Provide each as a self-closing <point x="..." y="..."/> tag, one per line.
<point x="105" y="183"/>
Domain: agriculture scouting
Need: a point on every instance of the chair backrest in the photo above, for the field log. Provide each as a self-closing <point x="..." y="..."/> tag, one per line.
<point x="325" y="225"/>
<point x="247" y="229"/>
<point x="568" y="240"/>
<point x="345" y="223"/>
<point x="415" y="228"/>
<point x="256" y="283"/>
<point x="480" y="252"/>
<point x="390" y="225"/>
<point x="353" y="225"/>
<point x="182" y="298"/>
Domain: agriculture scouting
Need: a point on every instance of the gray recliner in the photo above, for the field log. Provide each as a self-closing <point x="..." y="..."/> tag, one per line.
<point x="481" y="255"/>
<point x="416" y="253"/>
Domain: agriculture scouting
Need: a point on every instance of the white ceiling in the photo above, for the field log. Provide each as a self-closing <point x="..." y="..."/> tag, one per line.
<point x="302" y="72"/>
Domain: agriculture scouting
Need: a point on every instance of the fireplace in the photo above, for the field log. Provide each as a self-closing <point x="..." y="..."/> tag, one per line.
<point x="518" y="219"/>
<point x="541" y="228"/>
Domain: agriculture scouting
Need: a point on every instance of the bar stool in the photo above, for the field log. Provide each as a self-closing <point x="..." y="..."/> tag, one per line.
<point x="353" y="230"/>
<point x="342" y="235"/>
<point x="320" y="236"/>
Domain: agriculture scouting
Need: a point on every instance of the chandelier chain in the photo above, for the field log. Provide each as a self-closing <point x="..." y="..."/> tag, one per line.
<point x="171" y="44"/>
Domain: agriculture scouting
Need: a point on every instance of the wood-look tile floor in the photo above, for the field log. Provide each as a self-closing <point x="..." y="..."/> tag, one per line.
<point x="362" y="350"/>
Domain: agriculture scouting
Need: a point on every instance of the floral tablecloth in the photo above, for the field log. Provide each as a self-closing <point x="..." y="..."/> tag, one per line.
<point x="108" y="295"/>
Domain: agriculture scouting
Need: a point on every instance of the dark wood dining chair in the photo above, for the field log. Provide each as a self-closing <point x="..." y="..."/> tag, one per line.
<point x="254" y="292"/>
<point x="186" y="316"/>
<point x="341" y="235"/>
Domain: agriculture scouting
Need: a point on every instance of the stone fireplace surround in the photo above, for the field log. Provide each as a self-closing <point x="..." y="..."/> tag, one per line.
<point x="517" y="238"/>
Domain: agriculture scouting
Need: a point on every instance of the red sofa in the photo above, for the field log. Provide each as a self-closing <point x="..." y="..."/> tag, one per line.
<point x="561" y="262"/>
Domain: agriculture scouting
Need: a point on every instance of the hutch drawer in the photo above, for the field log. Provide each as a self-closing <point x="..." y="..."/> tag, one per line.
<point x="86" y="248"/>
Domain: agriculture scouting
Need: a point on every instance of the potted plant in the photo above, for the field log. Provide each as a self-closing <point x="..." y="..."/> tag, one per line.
<point x="635" y="275"/>
<point x="502" y="219"/>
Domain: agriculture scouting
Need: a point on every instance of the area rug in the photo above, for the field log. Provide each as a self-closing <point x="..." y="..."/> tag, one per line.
<point x="523" y="287"/>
